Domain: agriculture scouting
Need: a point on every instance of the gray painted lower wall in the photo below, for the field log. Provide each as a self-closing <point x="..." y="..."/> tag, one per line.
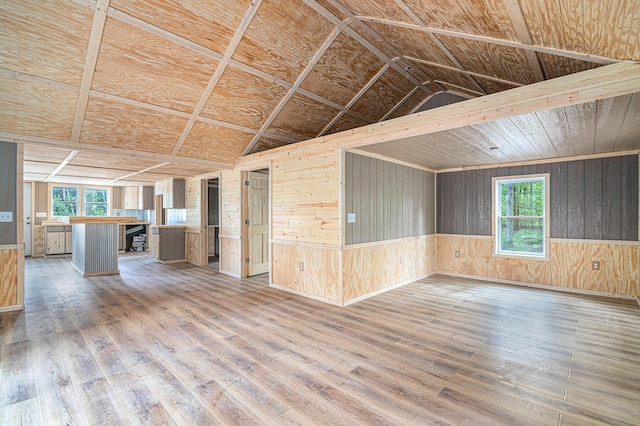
<point x="8" y="163"/>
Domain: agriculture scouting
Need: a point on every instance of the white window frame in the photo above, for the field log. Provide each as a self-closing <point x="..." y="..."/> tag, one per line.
<point x="495" y="182"/>
<point x="84" y="199"/>
<point x="78" y="202"/>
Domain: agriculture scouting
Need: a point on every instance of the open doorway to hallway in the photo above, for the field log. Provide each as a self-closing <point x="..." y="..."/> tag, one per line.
<point x="213" y="223"/>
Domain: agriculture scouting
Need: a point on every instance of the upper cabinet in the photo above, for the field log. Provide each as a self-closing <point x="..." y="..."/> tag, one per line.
<point x="132" y="198"/>
<point x="172" y="191"/>
<point x="146" y="197"/>
<point x="117" y="200"/>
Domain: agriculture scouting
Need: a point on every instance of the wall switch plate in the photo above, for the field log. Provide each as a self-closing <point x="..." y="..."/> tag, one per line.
<point x="595" y="265"/>
<point x="6" y="216"/>
<point x="351" y="218"/>
<point x="42" y="214"/>
<point x="301" y="266"/>
<point x="457" y="253"/>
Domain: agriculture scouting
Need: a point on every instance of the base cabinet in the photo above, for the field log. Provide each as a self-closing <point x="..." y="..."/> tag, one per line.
<point x="58" y="240"/>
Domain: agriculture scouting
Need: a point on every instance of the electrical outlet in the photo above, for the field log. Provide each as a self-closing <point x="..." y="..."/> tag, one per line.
<point x="457" y="253"/>
<point x="301" y="266"/>
<point x="6" y="216"/>
<point x="595" y="265"/>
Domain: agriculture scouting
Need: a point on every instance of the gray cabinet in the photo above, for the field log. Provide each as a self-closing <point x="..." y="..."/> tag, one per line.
<point x="173" y="193"/>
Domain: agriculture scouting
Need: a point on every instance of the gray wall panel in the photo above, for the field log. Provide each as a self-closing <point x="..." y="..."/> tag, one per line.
<point x="589" y="199"/>
<point x="8" y="162"/>
<point x="390" y="200"/>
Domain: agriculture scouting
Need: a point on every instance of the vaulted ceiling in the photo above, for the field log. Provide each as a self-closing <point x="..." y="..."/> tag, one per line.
<point x="187" y="86"/>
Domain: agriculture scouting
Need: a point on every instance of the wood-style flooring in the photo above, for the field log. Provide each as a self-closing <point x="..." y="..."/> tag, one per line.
<point x="178" y="344"/>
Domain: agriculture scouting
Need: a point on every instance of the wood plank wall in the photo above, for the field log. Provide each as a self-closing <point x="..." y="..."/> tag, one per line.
<point x="8" y="176"/>
<point x="230" y="222"/>
<point x="593" y="199"/>
<point x="195" y="214"/>
<point x="389" y="200"/>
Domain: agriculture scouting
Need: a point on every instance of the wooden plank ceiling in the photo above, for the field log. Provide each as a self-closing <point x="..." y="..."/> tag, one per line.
<point x="196" y="84"/>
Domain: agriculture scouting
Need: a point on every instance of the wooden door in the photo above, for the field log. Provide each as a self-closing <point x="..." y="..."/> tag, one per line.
<point x="258" y="203"/>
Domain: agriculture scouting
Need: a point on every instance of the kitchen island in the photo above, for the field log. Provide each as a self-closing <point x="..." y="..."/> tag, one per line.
<point x="95" y="244"/>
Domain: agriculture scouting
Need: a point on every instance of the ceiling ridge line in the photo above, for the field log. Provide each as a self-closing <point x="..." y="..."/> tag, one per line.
<point x="502" y="42"/>
<point x="355" y="99"/>
<point x="409" y="11"/>
<point x="364" y="42"/>
<point x="231" y="48"/>
<point x="30" y="78"/>
<point x="522" y="30"/>
<point x="88" y="71"/>
<point x="399" y="104"/>
<point x="476" y="74"/>
<point x="312" y="63"/>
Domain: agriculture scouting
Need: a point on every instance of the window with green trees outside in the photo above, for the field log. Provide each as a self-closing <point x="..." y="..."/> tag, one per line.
<point x="64" y="201"/>
<point x="96" y="202"/>
<point x="521" y="216"/>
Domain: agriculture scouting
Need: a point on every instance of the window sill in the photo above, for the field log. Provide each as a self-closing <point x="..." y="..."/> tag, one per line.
<point x="520" y="257"/>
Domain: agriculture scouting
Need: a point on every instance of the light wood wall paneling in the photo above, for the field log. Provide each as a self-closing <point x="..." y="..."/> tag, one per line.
<point x="230" y="253"/>
<point x="390" y="200"/>
<point x="307" y="270"/>
<point x="37" y="249"/>
<point x="8" y="277"/>
<point x="569" y="265"/>
<point x="589" y="199"/>
<point x="196" y="213"/>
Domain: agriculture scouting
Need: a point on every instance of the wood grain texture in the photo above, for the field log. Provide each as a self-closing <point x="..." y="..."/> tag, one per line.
<point x="215" y="143"/>
<point x="207" y="23"/>
<point x="385" y="93"/>
<point x="377" y="8"/>
<point x="377" y="267"/>
<point x="569" y="264"/>
<point x="283" y="50"/>
<point x="230" y="254"/>
<point x="266" y="143"/>
<point x="556" y="66"/>
<point x="8" y="278"/>
<point x="347" y="122"/>
<point x="142" y="66"/>
<point x="57" y="56"/>
<point x="344" y="69"/>
<point x="409" y="105"/>
<point x="123" y="126"/>
<point x="607" y="29"/>
<point x="319" y="277"/>
<point x="487" y="17"/>
<point x="243" y="99"/>
<point x="35" y="110"/>
<point x="302" y="118"/>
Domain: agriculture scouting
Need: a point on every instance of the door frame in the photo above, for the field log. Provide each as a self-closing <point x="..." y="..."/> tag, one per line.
<point x="205" y="211"/>
<point x="244" y="215"/>
<point x="31" y="219"/>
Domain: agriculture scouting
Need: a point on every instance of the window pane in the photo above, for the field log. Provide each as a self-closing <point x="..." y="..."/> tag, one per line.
<point x="64" y="201"/>
<point x="95" y="195"/>
<point x="95" y="202"/>
<point x="522" y="198"/>
<point x="522" y="235"/>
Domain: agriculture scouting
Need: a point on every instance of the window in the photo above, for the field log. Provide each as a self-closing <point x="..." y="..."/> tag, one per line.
<point x="64" y="201"/>
<point x="521" y="218"/>
<point x="96" y="202"/>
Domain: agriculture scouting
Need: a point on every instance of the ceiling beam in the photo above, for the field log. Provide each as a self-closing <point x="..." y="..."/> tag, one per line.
<point x="328" y="42"/>
<point x="475" y="74"/>
<point x="502" y="42"/>
<point x="520" y="25"/>
<point x="439" y="43"/>
<point x="355" y="99"/>
<point x="403" y="100"/>
<point x="600" y="83"/>
<point x="107" y="150"/>
<point x="231" y="49"/>
<point x="62" y="165"/>
<point x="95" y="39"/>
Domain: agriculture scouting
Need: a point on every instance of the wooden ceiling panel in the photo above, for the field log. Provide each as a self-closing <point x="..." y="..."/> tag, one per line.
<point x="45" y="38"/>
<point x="409" y="105"/>
<point x="243" y="99"/>
<point x="209" y="23"/>
<point x="342" y="71"/>
<point x="124" y="164"/>
<point x="282" y="38"/>
<point x="138" y="65"/>
<point x="492" y="86"/>
<point x="182" y="171"/>
<point x="347" y="122"/>
<point x="506" y="63"/>
<point x="383" y="95"/>
<point x="604" y="28"/>
<point x="265" y="144"/>
<point x="331" y="8"/>
<point x="45" y="154"/>
<point x="302" y="118"/>
<point x="216" y="143"/>
<point x="444" y="74"/>
<point x="123" y="126"/>
<point x="36" y="167"/>
<point x="487" y="17"/>
<point x="412" y="43"/>
<point x="377" y="8"/>
<point x="34" y="110"/>
<point x="557" y="66"/>
<point x="91" y="171"/>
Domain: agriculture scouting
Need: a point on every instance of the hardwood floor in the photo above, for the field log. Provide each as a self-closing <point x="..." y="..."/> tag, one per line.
<point x="177" y="344"/>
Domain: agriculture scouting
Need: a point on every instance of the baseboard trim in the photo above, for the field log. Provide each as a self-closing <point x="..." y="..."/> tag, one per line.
<point x="543" y="286"/>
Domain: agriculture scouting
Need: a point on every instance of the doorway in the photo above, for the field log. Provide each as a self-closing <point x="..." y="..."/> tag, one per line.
<point x="256" y="222"/>
<point x="213" y="223"/>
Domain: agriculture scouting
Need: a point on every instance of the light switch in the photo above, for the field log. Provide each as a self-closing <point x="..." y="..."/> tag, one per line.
<point x="41" y="214"/>
<point x="6" y="216"/>
<point x="351" y="218"/>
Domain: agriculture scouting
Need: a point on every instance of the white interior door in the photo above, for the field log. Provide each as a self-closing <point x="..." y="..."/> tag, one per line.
<point x="27" y="218"/>
<point x="258" y="223"/>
